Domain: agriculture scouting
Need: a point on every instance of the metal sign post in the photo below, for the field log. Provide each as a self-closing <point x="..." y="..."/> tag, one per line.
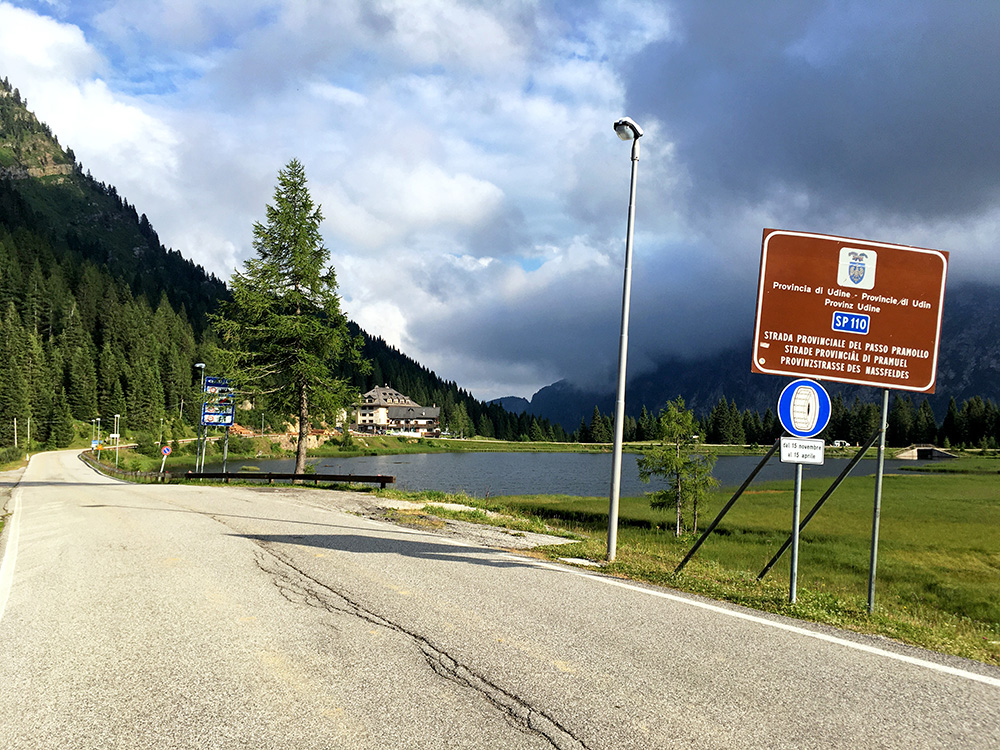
<point x="793" y="575"/>
<point x="117" y="438"/>
<point x="878" y="502"/>
<point x="165" y="450"/>
<point x="803" y="410"/>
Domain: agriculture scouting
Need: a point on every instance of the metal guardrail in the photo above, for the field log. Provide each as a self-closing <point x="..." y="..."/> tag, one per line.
<point x="90" y="459"/>
<point x="381" y="479"/>
<point x="270" y="477"/>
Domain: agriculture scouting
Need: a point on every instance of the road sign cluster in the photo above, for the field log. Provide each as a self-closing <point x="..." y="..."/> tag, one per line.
<point x="219" y="404"/>
<point x="851" y="311"/>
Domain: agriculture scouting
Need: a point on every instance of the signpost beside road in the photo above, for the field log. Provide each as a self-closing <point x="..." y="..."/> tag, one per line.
<point x="804" y="411"/>
<point x="218" y="407"/>
<point x="852" y="311"/>
<point x="848" y="310"/>
<point x="219" y="404"/>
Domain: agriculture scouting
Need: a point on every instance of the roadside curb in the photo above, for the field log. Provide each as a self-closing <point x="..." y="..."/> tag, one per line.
<point x="10" y="489"/>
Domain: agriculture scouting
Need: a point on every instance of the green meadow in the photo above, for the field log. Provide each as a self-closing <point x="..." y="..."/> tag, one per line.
<point x="938" y="574"/>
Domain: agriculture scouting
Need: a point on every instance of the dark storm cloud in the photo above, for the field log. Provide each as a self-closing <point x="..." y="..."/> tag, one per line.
<point x="891" y="107"/>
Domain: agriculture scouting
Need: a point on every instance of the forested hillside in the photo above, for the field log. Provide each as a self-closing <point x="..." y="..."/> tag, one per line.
<point x="97" y="318"/>
<point x="100" y="319"/>
<point x="45" y="192"/>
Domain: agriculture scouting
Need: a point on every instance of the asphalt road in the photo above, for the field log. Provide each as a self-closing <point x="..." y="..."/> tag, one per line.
<point x="187" y="617"/>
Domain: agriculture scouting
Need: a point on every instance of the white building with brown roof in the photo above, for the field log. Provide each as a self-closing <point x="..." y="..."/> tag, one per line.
<point x="385" y="409"/>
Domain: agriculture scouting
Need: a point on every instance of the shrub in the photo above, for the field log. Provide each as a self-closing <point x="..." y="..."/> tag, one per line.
<point x="146" y="445"/>
<point x="241" y="445"/>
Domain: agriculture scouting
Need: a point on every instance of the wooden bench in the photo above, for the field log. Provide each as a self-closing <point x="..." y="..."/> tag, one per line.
<point x="380" y="479"/>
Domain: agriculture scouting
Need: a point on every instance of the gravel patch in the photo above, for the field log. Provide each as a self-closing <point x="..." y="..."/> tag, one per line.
<point x="379" y="508"/>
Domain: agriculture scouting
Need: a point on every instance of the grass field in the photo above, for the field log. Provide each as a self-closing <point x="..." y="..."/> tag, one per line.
<point x="938" y="575"/>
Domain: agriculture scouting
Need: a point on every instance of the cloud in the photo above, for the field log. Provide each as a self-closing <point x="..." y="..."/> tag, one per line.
<point x="475" y="195"/>
<point x="110" y="133"/>
<point x="36" y="49"/>
<point x="883" y="108"/>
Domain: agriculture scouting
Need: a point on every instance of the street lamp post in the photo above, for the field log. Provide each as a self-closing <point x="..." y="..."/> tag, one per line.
<point x="627" y="130"/>
<point x="199" y="460"/>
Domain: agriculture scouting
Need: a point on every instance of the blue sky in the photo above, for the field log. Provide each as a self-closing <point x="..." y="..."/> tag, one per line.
<point x="474" y="191"/>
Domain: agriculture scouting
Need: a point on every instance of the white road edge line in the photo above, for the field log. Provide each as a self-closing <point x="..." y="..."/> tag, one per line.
<point x="10" y="554"/>
<point x="954" y="671"/>
<point x="607" y="580"/>
<point x="923" y="663"/>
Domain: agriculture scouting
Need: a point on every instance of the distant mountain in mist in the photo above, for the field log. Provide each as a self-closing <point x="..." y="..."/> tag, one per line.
<point x="968" y="365"/>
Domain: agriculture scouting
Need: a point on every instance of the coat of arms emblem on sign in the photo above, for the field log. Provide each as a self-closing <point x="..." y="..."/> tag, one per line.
<point x="857" y="268"/>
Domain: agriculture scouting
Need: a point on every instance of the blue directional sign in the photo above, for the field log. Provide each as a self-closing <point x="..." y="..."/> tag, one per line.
<point x="804" y="408"/>
<point x="219" y="405"/>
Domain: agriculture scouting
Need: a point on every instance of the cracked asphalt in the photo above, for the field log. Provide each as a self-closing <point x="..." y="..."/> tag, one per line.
<point x="207" y="617"/>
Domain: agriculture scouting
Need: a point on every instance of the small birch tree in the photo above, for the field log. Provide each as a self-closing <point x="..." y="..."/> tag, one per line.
<point x="688" y="474"/>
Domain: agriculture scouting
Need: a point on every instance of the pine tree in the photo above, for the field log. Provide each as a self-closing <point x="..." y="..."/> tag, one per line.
<point x="688" y="475"/>
<point x="485" y="426"/>
<point x="535" y="433"/>
<point x="900" y="422"/>
<point x="644" y="427"/>
<point x="630" y="429"/>
<point x="14" y="403"/>
<point x="60" y="428"/>
<point x="81" y="384"/>
<point x="950" y="428"/>
<point x="599" y="432"/>
<point x="458" y="421"/>
<point x="925" y="425"/>
<point x="735" y="423"/>
<point x="284" y="328"/>
<point x="973" y="419"/>
<point x="144" y="396"/>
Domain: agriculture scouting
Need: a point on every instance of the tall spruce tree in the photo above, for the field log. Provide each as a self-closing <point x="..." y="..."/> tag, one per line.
<point x="14" y="396"/>
<point x="285" y="334"/>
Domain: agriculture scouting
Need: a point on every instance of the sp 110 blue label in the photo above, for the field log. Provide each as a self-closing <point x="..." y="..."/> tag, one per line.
<point x="851" y="322"/>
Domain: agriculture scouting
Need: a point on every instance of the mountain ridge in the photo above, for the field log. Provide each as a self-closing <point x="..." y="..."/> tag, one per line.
<point x="968" y="366"/>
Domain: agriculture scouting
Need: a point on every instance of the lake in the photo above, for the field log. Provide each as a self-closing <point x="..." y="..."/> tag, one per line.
<point x="579" y="474"/>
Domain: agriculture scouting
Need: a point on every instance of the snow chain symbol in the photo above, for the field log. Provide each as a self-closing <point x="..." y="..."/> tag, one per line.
<point x="805" y="408"/>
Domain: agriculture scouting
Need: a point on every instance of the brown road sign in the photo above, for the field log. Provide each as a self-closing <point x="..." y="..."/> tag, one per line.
<point x="853" y="311"/>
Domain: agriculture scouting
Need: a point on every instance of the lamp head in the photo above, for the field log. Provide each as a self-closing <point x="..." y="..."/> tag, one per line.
<point x="628" y="129"/>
